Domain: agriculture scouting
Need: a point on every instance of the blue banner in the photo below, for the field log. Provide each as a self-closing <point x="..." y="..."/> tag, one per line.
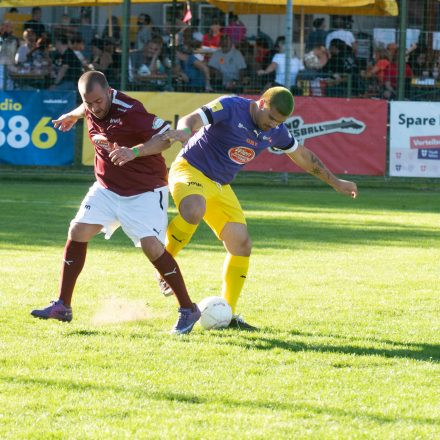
<point x="27" y="136"/>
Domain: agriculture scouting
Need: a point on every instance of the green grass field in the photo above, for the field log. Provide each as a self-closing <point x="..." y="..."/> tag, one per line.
<point x="346" y="293"/>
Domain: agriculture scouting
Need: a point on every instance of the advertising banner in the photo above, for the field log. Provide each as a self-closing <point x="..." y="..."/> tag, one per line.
<point x="415" y="139"/>
<point x="27" y="136"/>
<point x="348" y="135"/>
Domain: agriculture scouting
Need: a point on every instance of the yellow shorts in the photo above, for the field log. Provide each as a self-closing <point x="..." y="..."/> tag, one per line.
<point x="222" y="205"/>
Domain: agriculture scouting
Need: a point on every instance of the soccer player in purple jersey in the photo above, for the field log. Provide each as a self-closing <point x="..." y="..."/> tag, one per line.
<point x="228" y="133"/>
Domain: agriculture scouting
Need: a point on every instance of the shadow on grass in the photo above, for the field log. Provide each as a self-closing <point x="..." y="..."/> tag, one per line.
<point x="192" y="399"/>
<point x="418" y="351"/>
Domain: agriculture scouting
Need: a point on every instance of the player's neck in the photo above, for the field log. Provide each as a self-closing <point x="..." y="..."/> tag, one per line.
<point x="252" y="111"/>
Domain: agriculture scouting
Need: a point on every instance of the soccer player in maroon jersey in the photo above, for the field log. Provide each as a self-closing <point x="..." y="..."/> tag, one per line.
<point x="130" y="191"/>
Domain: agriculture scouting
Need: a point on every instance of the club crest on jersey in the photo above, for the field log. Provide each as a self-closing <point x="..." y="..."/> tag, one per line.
<point x="157" y="123"/>
<point x="241" y="155"/>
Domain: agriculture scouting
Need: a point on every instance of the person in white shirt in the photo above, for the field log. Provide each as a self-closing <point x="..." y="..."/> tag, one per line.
<point x="278" y="65"/>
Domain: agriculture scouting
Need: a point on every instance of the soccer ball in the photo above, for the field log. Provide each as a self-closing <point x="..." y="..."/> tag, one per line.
<point x="216" y="313"/>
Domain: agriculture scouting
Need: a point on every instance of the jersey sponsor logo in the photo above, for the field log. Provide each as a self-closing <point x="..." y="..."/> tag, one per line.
<point x="100" y="141"/>
<point x="241" y="155"/>
<point x="158" y="122"/>
<point x="251" y="142"/>
<point x="116" y="121"/>
<point x="215" y="106"/>
<point x="195" y="184"/>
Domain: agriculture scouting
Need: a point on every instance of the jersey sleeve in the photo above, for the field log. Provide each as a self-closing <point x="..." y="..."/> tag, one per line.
<point x="147" y="124"/>
<point x="284" y="141"/>
<point x="216" y="111"/>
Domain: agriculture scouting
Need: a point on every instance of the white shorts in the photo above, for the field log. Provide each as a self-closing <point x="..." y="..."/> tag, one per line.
<point x="142" y="215"/>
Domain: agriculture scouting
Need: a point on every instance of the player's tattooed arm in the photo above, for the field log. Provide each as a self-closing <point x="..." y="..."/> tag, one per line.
<point x="310" y="162"/>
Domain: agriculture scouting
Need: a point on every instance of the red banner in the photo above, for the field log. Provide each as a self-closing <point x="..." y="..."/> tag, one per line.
<point x="348" y="135"/>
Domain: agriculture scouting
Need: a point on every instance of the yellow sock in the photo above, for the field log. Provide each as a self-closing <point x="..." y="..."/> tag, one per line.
<point x="235" y="270"/>
<point x="179" y="233"/>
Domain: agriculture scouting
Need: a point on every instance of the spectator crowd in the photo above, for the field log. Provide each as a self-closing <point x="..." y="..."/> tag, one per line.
<point x="224" y="59"/>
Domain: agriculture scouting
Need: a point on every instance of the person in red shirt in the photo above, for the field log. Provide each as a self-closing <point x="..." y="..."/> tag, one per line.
<point x="130" y="191"/>
<point x="390" y="77"/>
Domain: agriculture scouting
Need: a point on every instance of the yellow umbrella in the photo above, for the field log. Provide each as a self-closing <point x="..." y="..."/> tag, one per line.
<point x="333" y="7"/>
<point x="24" y="3"/>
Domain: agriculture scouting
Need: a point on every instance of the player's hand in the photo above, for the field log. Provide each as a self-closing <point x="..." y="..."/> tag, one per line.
<point x="346" y="187"/>
<point x="176" y="135"/>
<point x="121" y="155"/>
<point x="65" y="122"/>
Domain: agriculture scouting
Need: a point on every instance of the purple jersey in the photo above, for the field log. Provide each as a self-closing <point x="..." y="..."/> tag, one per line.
<point x="230" y="139"/>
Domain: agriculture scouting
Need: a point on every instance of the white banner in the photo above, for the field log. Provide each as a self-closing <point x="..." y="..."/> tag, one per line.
<point x="414" y="139"/>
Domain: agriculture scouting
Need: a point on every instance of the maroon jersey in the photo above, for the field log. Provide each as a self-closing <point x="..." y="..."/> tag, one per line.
<point x="128" y="124"/>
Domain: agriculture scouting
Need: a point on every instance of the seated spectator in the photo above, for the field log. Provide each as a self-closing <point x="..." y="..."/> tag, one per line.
<point x="418" y="61"/>
<point x="227" y="64"/>
<point x="78" y="47"/>
<point x="29" y="42"/>
<point x="343" y="69"/>
<point x="67" y="65"/>
<point x="212" y="38"/>
<point x="149" y="66"/>
<point x="63" y="29"/>
<point x="317" y="37"/>
<point x="278" y="66"/>
<point x="375" y="74"/>
<point x="235" y="29"/>
<point x="341" y="33"/>
<point x="390" y="77"/>
<point x="106" y="59"/>
<point x="35" y="22"/>
<point x="193" y="74"/>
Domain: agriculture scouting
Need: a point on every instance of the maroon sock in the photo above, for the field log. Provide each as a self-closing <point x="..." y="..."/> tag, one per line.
<point x="167" y="266"/>
<point x="74" y="258"/>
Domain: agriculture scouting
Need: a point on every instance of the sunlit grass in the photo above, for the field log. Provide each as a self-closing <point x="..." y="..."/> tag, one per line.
<point x="345" y="292"/>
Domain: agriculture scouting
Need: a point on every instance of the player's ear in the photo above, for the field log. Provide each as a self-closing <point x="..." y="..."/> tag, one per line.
<point x="261" y="104"/>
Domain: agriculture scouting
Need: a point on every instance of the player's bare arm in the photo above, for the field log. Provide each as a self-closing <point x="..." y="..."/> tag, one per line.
<point x="121" y="155"/>
<point x="68" y="120"/>
<point x="185" y="128"/>
<point x="310" y="162"/>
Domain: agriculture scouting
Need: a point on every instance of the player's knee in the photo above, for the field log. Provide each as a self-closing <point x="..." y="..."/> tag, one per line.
<point x="246" y="246"/>
<point x="193" y="209"/>
<point x="152" y="248"/>
<point x="81" y="232"/>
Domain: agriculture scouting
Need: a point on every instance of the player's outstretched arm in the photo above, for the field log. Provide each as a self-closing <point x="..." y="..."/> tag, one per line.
<point x="186" y="126"/>
<point x="310" y="162"/>
<point x="68" y="120"/>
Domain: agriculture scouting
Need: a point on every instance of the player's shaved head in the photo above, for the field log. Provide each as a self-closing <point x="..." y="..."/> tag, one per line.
<point x="89" y="80"/>
<point x="280" y="99"/>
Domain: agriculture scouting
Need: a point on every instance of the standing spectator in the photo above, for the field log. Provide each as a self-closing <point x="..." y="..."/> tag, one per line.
<point x="390" y="76"/>
<point x="228" y="63"/>
<point x="341" y="33"/>
<point x="9" y="44"/>
<point x="63" y="29"/>
<point x="318" y="35"/>
<point x="235" y="29"/>
<point x="87" y="33"/>
<point x="35" y="22"/>
<point x="278" y="66"/>
<point x="69" y="68"/>
<point x="143" y="34"/>
<point x="113" y="30"/>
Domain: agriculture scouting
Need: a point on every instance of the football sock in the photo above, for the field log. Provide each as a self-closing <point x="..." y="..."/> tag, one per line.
<point x="235" y="270"/>
<point x="179" y="233"/>
<point x="167" y="266"/>
<point x="74" y="258"/>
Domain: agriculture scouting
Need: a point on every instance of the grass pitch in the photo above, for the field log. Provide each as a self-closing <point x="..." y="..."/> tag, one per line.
<point x="346" y="294"/>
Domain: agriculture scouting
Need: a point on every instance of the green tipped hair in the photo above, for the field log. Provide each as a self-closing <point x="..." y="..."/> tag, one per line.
<point x="279" y="98"/>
